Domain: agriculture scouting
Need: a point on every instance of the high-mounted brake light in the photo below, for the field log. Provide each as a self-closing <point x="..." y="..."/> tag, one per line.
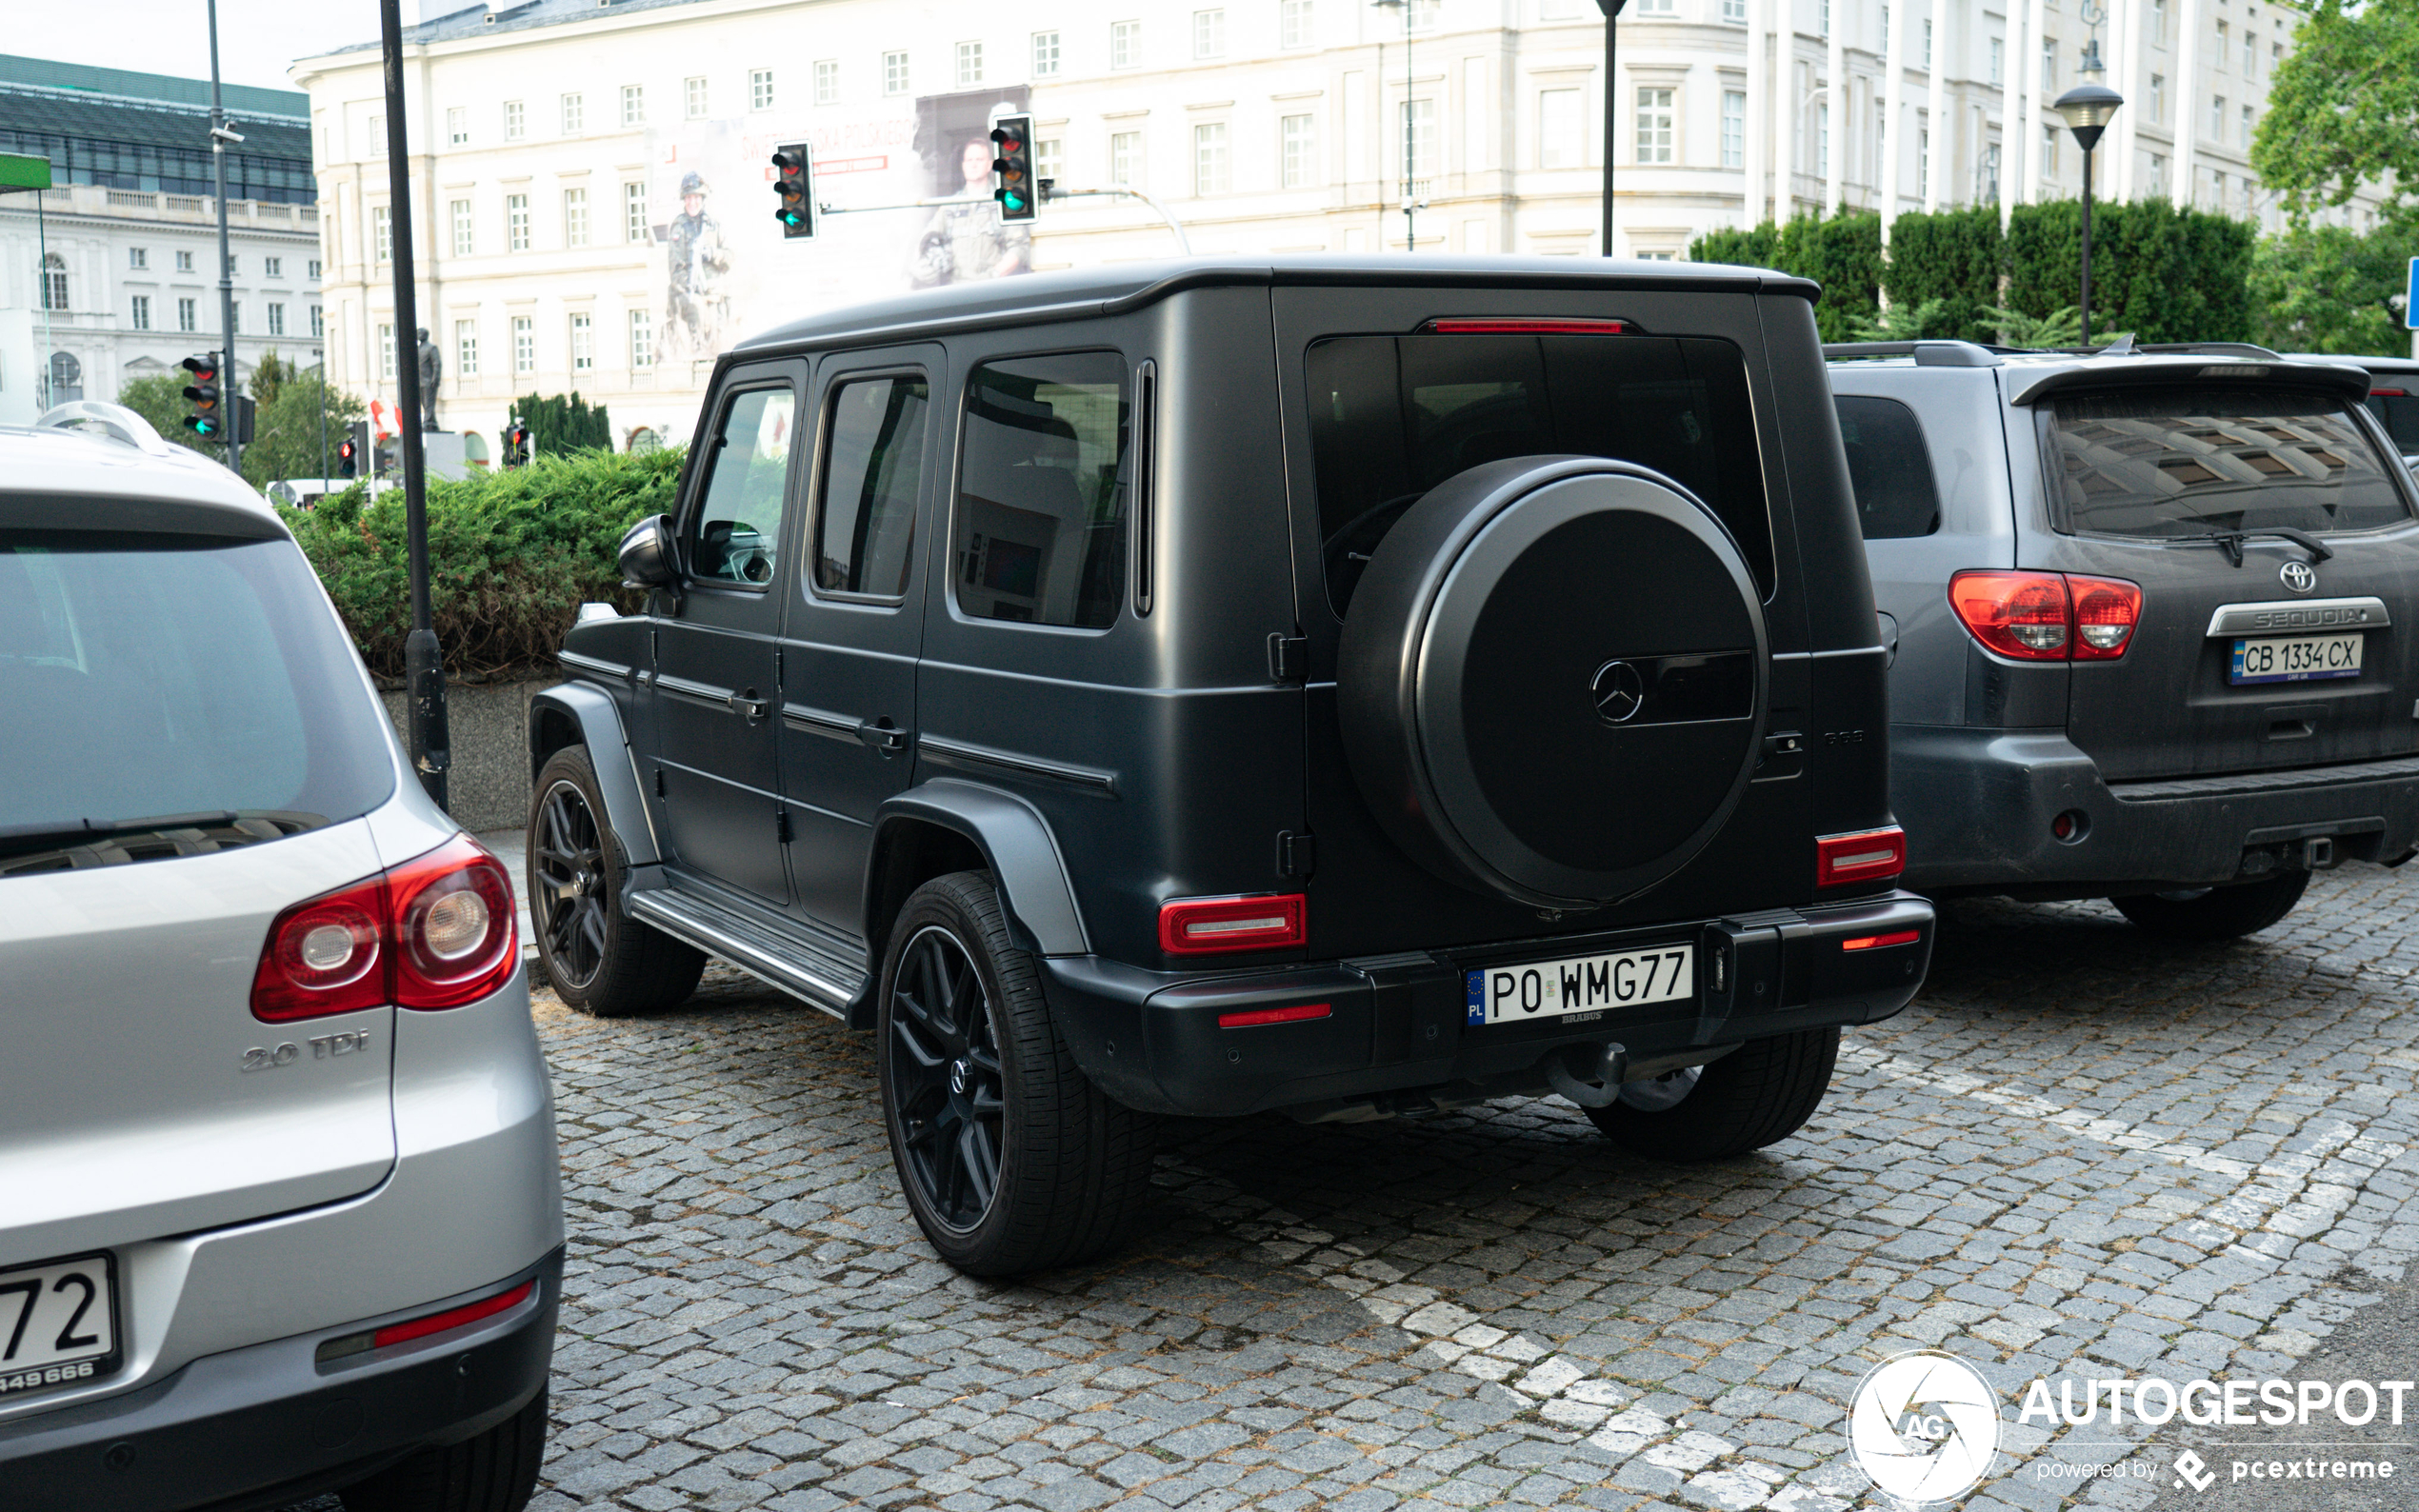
<point x="1523" y="325"/>
<point x="1193" y="926"/>
<point x="434" y="932"/>
<point x="2048" y="616"/>
<point x="2388" y="393"/>
<point x="1868" y="855"/>
<point x="1882" y="941"/>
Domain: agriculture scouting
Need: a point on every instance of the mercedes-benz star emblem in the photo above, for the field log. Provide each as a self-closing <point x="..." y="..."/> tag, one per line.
<point x="1619" y="691"/>
<point x="2299" y="576"/>
<point x="958" y="1077"/>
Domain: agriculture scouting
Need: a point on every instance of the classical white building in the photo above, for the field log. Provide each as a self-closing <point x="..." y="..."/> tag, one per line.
<point x="112" y="273"/>
<point x="556" y="145"/>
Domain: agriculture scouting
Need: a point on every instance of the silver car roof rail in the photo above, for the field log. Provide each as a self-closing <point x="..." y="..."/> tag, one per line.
<point x="115" y="421"/>
<point x="1927" y="353"/>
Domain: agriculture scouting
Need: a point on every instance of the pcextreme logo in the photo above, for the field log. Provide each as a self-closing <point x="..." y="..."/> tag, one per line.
<point x="1924" y="1426"/>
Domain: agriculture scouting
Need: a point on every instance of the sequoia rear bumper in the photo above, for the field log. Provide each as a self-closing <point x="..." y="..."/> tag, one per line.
<point x="1397" y="1029"/>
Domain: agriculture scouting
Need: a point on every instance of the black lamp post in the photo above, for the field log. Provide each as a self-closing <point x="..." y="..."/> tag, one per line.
<point x="1410" y="226"/>
<point x="2087" y="109"/>
<point x="1612" y="113"/>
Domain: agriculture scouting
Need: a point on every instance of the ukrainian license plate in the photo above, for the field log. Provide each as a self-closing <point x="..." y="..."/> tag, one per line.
<point x="58" y="1323"/>
<point x="1582" y="987"/>
<point x="2295" y="659"/>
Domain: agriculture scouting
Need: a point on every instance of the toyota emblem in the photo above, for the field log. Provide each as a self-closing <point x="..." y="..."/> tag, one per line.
<point x="2299" y="576"/>
<point x="1619" y="692"/>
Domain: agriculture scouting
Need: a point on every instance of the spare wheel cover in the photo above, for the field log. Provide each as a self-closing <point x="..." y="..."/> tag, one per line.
<point x="1552" y="680"/>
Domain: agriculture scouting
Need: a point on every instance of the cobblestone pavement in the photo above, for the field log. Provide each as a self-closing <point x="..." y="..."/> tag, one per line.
<point x="2082" y="1153"/>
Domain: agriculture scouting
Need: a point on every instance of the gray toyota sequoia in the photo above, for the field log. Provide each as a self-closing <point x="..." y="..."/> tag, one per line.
<point x="2150" y="612"/>
<point x="1351" y="688"/>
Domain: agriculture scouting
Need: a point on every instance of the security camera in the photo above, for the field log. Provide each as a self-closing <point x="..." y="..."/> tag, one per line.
<point x="220" y="134"/>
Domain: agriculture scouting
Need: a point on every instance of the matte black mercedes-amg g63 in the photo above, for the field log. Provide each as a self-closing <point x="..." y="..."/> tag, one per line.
<point x="1338" y="686"/>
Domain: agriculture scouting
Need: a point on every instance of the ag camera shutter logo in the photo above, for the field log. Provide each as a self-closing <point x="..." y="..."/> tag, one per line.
<point x="1924" y="1426"/>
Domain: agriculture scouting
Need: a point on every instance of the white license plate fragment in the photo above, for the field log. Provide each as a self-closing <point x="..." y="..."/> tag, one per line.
<point x="1582" y="987"/>
<point x="58" y="1323"/>
<point x="2295" y="659"/>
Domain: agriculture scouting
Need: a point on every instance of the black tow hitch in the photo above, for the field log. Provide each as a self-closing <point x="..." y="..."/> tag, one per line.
<point x="1572" y="1069"/>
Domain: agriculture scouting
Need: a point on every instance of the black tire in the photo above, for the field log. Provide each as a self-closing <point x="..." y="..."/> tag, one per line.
<point x="602" y="962"/>
<point x="1759" y="1094"/>
<point x="1010" y="1159"/>
<point x="495" y="1471"/>
<point x="2215" y="913"/>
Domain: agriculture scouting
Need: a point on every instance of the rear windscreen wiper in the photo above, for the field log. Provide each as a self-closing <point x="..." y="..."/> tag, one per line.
<point x="2232" y="541"/>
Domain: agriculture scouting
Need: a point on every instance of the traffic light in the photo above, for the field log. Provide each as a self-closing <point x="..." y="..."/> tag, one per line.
<point x="207" y="420"/>
<point x="243" y="407"/>
<point x="348" y="458"/>
<point x="516" y="444"/>
<point x="1012" y="169"/>
<point x="795" y="185"/>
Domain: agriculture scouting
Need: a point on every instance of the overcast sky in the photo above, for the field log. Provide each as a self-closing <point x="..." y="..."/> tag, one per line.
<point x="256" y="38"/>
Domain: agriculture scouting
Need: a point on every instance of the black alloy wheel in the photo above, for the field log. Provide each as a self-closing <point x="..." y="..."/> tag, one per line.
<point x="946" y="1083"/>
<point x="567" y="867"/>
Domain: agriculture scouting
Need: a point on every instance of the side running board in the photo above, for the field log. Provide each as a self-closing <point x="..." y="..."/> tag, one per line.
<point x="797" y="967"/>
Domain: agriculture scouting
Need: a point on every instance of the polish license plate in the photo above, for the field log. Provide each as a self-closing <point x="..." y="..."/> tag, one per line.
<point x="1582" y="987"/>
<point x="2295" y="659"/>
<point x="58" y="1323"/>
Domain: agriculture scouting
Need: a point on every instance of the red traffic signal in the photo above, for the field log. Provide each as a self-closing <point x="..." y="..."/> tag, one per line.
<point x="348" y="458"/>
<point x="793" y="180"/>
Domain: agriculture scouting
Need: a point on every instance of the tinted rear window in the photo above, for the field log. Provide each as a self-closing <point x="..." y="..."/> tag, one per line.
<point x="1890" y="467"/>
<point x="2397" y="409"/>
<point x="1394" y="416"/>
<point x="148" y="677"/>
<point x="2186" y="461"/>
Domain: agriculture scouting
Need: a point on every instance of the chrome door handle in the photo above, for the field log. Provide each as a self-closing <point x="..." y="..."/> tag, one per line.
<point x="884" y="737"/>
<point x="749" y="705"/>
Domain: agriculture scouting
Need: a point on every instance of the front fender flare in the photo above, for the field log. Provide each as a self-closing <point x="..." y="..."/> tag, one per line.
<point x="593" y="713"/>
<point x="1017" y="844"/>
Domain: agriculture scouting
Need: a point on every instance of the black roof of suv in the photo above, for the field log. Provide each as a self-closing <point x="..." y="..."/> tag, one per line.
<point x="1342" y="686"/>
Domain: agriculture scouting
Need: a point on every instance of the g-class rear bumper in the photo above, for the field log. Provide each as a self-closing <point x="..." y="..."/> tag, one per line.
<point x="1980" y="807"/>
<point x="1396" y="1036"/>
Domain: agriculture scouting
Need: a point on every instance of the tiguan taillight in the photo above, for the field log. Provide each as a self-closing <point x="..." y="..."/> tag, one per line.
<point x="434" y="932"/>
<point x="2048" y="616"/>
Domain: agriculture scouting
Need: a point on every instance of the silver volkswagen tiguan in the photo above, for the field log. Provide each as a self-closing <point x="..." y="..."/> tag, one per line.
<point x="279" y="1209"/>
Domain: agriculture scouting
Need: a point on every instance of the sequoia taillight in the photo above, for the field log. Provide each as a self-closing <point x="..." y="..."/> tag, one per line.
<point x="2048" y="616"/>
<point x="1868" y="855"/>
<point x="434" y="932"/>
<point x="1193" y="926"/>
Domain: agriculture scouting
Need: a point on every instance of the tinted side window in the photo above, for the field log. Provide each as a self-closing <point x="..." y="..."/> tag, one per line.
<point x="738" y="522"/>
<point x="873" y="468"/>
<point x="1890" y="467"/>
<point x="2397" y="409"/>
<point x="1040" y="532"/>
<point x="1394" y="416"/>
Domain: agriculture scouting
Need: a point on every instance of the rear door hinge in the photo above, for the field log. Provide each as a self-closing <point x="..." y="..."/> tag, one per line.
<point x="1289" y="658"/>
<point x="1297" y="855"/>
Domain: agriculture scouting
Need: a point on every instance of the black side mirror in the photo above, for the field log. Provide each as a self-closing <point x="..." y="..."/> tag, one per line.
<point x="647" y="554"/>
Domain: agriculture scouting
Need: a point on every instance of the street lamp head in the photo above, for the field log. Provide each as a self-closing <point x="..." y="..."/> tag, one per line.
<point x="2087" y="109"/>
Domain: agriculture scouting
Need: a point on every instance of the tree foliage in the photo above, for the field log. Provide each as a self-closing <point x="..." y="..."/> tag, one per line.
<point x="1842" y="252"/>
<point x="2324" y="288"/>
<point x="563" y="423"/>
<point x="2343" y="109"/>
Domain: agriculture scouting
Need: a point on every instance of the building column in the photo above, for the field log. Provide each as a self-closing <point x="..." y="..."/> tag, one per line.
<point x="2188" y="103"/>
<point x="1893" y="130"/>
<point x="1788" y="101"/>
<point x="1936" y="105"/>
<point x="1835" y="64"/>
<point x="1758" y="124"/>
<point x="2028" y="68"/>
<point x="2124" y="35"/>
<point x="2011" y="114"/>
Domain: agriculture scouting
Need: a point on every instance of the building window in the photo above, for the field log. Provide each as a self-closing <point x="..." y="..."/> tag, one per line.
<point x="2158" y="173"/>
<point x="377" y="136"/>
<point x="895" y="73"/>
<point x="634" y="211"/>
<point x="827" y="82"/>
<point x="1125" y="44"/>
<point x="760" y="88"/>
<point x="2050" y="135"/>
<point x="524" y="344"/>
<point x="137" y="257"/>
<point x="1208" y="33"/>
<point x="1823" y="139"/>
<point x="1293" y="23"/>
<point x="583" y="344"/>
<point x="516" y="223"/>
<point x="575" y="217"/>
<point x="1734" y="129"/>
<point x="272" y="268"/>
<point x="387" y="352"/>
<point x="1125" y="159"/>
<point x="276" y="320"/>
<point x="1923" y="165"/>
<point x="1049" y="159"/>
<point x="2158" y="97"/>
<point x="1654" y="126"/>
<point x="1299" y="170"/>
<point x="1045" y="55"/>
<point x="2217" y="118"/>
<point x="2048" y="62"/>
<point x="2158" y="22"/>
<point x="1927" y="43"/>
<point x="1559" y="143"/>
<point x="970" y="65"/>
<point x="2251" y="53"/>
<point x="466" y="347"/>
<point x="1990" y="171"/>
<point x="318" y="325"/>
<point x="314" y="266"/>
<point x="1735" y="11"/>
<point x="1423" y="14"/>
<point x="462" y="243"/>
<point x="633" y="105"/>
<point x="1419" y="145"/>
<point x="1823" y="20"/>
<point x="2223" y="39"/>
<point x="457" y="124"/>
<point x="692" y="96"/>
<point x="186" y="317"/>
<point x="2246" y="126"/>
<point x="232" y="264"/>
<point x="1663" y="8"/>
<point x="516" y="121"/>
<point x="1998" y="63"/>
<point x="574" y="114"/>
<point x="381" y="232"/>
<point x="142" y="316"/>
<point x="642" y="341"/>
<point x="184" y="261"/>
<point x="1210" y="158"/>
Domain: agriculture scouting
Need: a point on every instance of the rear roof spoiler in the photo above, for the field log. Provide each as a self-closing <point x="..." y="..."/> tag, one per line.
<point x="2345" y="382"/>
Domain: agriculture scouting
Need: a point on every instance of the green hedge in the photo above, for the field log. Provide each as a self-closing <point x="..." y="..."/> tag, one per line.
<point x="513" y="555"/>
